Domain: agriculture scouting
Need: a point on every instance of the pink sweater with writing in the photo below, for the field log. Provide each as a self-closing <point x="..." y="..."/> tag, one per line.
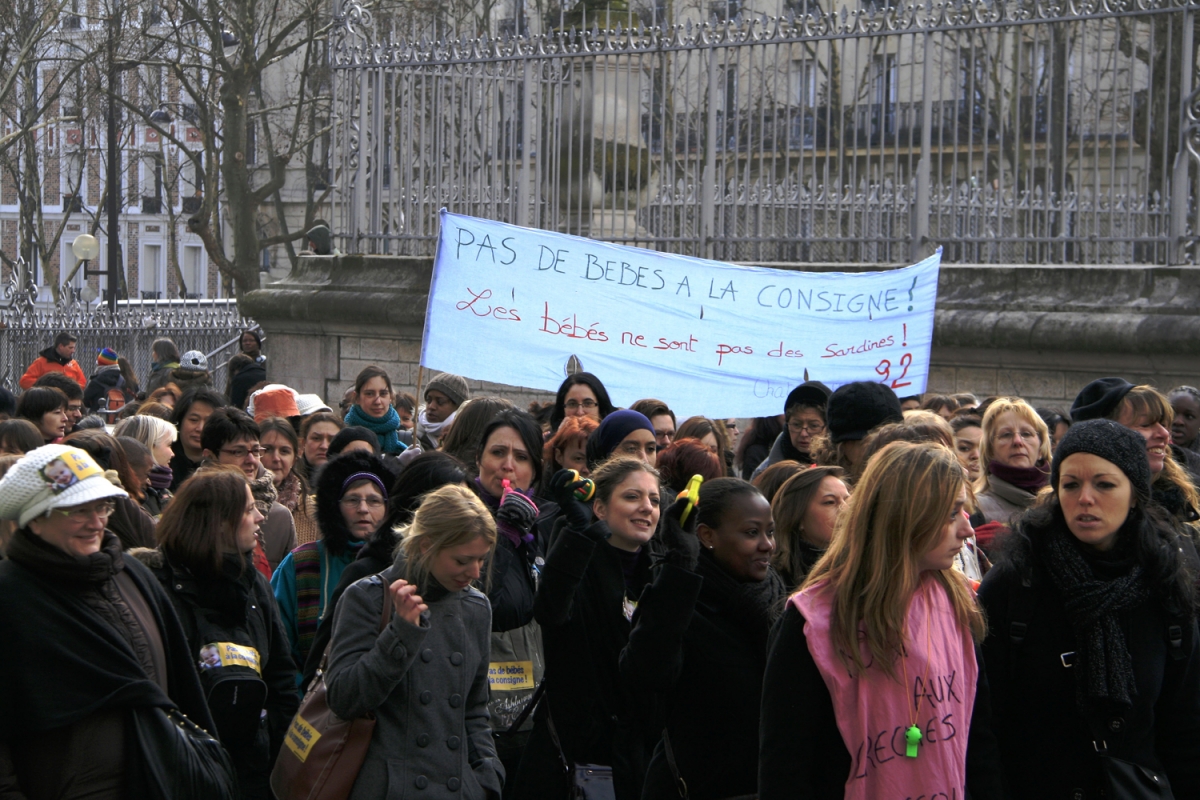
<point x="873" y="711"/>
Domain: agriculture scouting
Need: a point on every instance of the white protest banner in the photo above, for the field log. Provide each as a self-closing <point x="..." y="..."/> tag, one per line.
<point x="512" y="305"/>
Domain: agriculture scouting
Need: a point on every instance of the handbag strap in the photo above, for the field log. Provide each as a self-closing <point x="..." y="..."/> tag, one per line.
<point x="680" y="783"/>
<point x="529" y="708"/>
<point x="562" y="757"/>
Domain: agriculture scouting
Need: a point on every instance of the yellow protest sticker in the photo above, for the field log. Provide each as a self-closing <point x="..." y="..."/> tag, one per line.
<point x="228" y="654"/>
<point x="69" y="469"/>
<point x="507" y="676"/>
<point x="301" y="737"/>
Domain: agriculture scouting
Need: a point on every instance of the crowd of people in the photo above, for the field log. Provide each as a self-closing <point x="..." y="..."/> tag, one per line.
<point x="867" y="596"/>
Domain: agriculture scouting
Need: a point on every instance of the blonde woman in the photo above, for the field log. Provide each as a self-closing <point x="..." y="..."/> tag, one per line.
<point x="1014" y="459"/>
<point x="425" y="677"/>
<point x="873" y="687"/>
<point x="158" y="435"/>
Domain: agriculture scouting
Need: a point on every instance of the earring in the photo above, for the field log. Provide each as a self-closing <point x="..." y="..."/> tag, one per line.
<point x="710" y="547"/>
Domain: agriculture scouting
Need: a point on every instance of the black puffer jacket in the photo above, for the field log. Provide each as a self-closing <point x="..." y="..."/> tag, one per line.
<point x="237" y="609"/>
<point x="246" y="379"/>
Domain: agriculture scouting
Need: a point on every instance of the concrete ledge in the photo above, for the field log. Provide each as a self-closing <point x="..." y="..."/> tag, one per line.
<point x="1041" y="332"/>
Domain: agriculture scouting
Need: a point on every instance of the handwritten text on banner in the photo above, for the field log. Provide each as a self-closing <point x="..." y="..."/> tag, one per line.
<point x="512" y="305"/>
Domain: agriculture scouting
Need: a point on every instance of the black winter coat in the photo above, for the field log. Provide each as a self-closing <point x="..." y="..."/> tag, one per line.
<point x="246" y="379"/>
<point x="701" y="639"/>
<point x="1045" y="739"/>
<point x="802" y="753"/>
<point x="599" y="719"/>
<point x="240" y="610"/>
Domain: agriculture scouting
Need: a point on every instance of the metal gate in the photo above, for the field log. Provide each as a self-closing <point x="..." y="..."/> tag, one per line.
<point x="1034" y="131"/>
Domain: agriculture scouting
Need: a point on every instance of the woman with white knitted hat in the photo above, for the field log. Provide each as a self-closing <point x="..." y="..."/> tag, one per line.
<point x="90" y="637"/>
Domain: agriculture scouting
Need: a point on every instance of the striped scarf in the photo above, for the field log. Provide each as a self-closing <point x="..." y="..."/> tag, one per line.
<point x="308" y="559"/>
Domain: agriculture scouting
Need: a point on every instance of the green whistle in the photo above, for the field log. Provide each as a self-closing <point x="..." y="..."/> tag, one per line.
<point x="912" y="737"/>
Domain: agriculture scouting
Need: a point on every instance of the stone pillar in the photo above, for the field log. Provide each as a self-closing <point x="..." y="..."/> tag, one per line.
<point x="334" y="315"/>
<point x="605" y="170"/>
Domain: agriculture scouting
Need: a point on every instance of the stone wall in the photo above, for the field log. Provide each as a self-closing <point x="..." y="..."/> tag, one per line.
<point x="1040" y="332"/>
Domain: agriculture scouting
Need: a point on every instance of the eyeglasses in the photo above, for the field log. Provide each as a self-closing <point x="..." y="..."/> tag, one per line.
<point x="83" y="514"/>
<point x="811" y="427"/>
<point x="1008" y="436"/>
<point x="241" y="452"/>
<point x="572" y="405"/>
<point x="350" y="501"/>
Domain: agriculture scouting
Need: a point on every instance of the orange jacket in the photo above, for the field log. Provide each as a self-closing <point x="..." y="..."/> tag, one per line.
<point x="42" y="365"/>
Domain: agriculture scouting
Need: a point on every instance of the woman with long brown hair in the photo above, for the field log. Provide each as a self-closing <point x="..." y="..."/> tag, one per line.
<point x="873" y="687"/>
<point x="205" y="562"/>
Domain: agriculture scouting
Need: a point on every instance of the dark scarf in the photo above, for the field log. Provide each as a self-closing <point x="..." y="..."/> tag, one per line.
<point x="52" y="564"/>
<point x="51" y="355"/>
<point x="755" y="603"/>
<point x="1029" y="479"/>
<point x="789" y="451"/>
<point x="228" y="592"/>
<point x="1095" y="587"/>
<point x="84" y="661"/>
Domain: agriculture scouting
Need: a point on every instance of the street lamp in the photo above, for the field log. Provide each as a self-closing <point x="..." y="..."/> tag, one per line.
<point x="86" y="248"/>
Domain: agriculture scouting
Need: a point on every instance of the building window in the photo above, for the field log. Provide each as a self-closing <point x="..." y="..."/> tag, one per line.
<point x="150" y="271"/>
<point x="193" y="268"/>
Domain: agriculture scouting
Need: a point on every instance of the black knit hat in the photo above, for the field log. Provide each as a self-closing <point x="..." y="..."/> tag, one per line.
<point x="1099" y="398"/>
<point x="809" y="393"/>
<point x="353" y="433"/>
<point x="1114" y="443"/>
<point x="855" y="408"/>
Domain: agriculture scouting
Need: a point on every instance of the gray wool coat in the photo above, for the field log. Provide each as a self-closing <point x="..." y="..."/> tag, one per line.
<point x="428" y="688"/>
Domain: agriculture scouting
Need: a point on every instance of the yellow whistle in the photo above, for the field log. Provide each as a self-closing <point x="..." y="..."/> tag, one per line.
<point x="585" y="492"/>
<point x="692" y="492"/>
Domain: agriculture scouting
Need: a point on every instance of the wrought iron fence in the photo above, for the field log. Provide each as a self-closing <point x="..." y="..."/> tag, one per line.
<point x="27" y="328"/>
<point x="1011" y="131"/>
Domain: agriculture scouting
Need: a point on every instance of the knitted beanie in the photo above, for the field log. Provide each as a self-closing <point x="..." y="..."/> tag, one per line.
<point x="856" y="408"/>
<point x="453" y="386"/>
<point x="353" y="433"/>
<point x="612" y="431"/>
<point x="193" y="361"/>
<point x="1113" y="442"/>
<point x="1098" y="399"/>
<point x="52" y="476"/>
<point x="809" y="393"/>
<point x="106" y="357"/>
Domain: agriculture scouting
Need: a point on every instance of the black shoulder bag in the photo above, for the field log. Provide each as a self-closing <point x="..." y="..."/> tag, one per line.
<point x="179" y="760"/>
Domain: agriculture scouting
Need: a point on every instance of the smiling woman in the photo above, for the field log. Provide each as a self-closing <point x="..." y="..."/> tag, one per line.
<point x="434" y="613"/>
<point x="591" y="582"/>
<point x="708" y="612"/>
<point x="96" y="633"/>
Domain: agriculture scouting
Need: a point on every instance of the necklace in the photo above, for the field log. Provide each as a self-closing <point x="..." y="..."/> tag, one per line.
<point x="912" y="736"/>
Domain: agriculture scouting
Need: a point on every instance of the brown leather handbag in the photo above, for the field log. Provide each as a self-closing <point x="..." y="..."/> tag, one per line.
<point x="322" y="753"/>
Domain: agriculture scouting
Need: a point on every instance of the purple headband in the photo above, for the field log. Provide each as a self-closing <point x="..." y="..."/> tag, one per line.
<point x="365" y="476"/>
